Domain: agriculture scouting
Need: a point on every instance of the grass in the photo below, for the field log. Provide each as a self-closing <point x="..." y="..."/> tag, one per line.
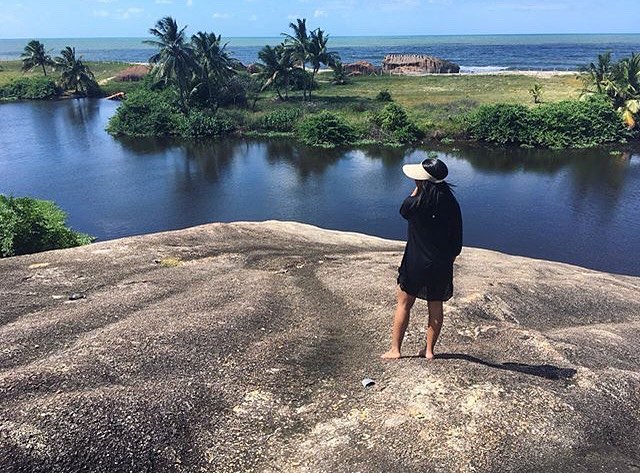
<point x="434" y="102"/>
<point x="104" y="71"/>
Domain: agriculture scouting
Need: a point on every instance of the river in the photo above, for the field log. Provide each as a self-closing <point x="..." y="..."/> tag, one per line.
<point x="580" y="207"/>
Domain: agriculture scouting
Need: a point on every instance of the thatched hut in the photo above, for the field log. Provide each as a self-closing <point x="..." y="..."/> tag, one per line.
<point x="133" y="73"/>
<point x="359" y="68"/>
<point x="417" y="64"/>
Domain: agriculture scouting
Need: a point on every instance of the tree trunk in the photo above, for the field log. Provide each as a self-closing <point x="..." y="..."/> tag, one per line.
<point x="44" y="70"/>
<point x="286" y="87"/>
<point x="313" y="77"/>
<point x="304" y="82"/>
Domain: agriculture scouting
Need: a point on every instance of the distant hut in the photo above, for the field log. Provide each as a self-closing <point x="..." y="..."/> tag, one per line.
<point x="133" y="73"/>
<point x="359" y="68"/>
<point x="417" y="64"/>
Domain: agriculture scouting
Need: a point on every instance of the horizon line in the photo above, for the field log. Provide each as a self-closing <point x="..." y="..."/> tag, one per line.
<point x="345" y="36"/>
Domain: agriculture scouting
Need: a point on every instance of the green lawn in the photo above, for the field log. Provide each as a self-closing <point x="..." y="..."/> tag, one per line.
<point x="433" y="101"/>
<point x="102" y="70"/>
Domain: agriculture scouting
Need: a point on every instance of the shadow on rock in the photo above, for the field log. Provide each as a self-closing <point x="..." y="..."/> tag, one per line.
<point x="543" y="371"/>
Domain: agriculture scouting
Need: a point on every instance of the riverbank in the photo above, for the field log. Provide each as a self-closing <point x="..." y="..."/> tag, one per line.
<point x="239" y="347"/>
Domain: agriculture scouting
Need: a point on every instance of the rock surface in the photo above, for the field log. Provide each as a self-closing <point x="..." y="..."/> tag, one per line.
<point x="242" y="347"/>
<point x="409" y="64"/>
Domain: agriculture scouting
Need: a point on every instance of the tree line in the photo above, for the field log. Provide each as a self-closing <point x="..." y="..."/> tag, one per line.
<point x="201" y="68"/>
<point x="75" y="75"/>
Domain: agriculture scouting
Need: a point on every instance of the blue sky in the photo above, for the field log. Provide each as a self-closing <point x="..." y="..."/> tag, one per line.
<point x="90" y="18"/>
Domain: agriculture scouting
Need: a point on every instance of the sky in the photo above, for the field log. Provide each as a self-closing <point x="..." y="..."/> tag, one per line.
<point x="234" y="18"/>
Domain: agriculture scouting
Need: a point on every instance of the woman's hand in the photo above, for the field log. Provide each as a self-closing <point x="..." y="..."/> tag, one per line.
<point x="415" y="192"/>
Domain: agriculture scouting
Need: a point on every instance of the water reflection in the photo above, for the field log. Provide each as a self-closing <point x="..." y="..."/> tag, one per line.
<point x="573" y="206"/>
<point x="306" y="161"/>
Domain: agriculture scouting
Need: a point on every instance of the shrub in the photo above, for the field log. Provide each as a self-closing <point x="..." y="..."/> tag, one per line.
<point x="31" y="225"/>
<point x="395" y="125"/>
<point x="146" y="113"/>
<point x="282" y="120"/>
<point x="384" y="96"/>
<point x="565" y="124"/>
<point x="326" y="129"/>
<point x="30" y="88"/>
<point x="500" y="123"/>
<point x="199" y="123"/>
<point x="576" y="124"/>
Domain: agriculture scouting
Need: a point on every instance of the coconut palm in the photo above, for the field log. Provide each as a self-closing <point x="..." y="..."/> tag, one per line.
<point x="35" y="56"/>
<point x="298" y="43"/>
<point x="74" y="74"/>
<point x="599" y="75"/>
<point x="619" y="81"/>
<point x="173" y="63"/>
<point x="277" y="65"/>
<point x="626" y="88"/>
<point x="319" y="54"/>
<point x="214" y="65"/>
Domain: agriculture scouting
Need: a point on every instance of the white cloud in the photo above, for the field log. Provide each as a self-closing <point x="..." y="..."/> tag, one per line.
<point x="218" y="15"/>
<point x="319" y="13"/>
<point x="253" y="18"/>
<point x="164" y="2"/>
<point x="528" y="6"/>
<point x="189" y="3"/>
<point x="119" y="13"/>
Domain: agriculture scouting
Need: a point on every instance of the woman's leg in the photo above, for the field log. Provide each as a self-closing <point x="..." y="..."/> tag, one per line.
<point x="400" y="322"/>
<point x="433" y="330"/>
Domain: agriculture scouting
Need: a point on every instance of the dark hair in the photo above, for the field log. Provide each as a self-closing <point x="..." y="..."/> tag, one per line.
<point x="436" y="168"/>
<point x="430" y="192"/>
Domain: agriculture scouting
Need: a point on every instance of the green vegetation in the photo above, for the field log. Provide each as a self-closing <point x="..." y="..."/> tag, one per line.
<point x="392" y="125"/>
<point x="536" y="93"/>
<point x="31" y="225"/>
<point x="280" y="120"/>
<point x="619" y="81"/>
<point x="569" y="123"/>
<point x="76" y="75"/>
<point x="326" y="129"/>
<point x="22" y="79"/>
<point x="35" y="56"/>
<point x="31" y="88"/>
<point x="197" y="89"/>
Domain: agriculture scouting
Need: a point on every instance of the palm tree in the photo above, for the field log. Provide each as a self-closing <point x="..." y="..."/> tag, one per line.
<point x="214" y="65"/>
<point x="74" y="74"/>
<point x="174" y="62"/>
<point x="626" y="88"/>
<point x="277" y="64"/>
<point x="298" y="43"/>
<point x="319" y="54"/>
<point x="599" y="74"/>
<point x="339" y="74"/>
<point x="35" y="56"/>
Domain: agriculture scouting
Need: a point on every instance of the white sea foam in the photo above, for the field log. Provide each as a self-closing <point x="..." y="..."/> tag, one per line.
<point x="474" y="69"/>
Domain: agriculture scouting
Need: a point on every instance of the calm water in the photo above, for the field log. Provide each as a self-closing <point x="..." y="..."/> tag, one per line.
<point x="473" y="52"/>
<point x="581" y="207"/>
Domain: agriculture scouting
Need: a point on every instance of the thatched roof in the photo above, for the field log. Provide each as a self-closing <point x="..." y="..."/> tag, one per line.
<point x="133" y="73"/>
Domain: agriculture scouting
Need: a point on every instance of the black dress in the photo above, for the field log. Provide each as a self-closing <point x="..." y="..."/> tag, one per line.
<point x="434" y="240"/>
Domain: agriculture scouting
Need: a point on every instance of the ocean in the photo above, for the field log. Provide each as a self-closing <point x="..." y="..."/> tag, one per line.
<point x="474" y="53"/>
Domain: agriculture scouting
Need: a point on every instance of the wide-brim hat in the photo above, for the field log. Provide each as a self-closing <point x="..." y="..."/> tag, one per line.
<point x="418" y="172"/>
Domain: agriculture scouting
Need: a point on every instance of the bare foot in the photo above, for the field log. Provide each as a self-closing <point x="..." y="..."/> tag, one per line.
<point x="423" y="354"/>
<point x="391" y="355"/>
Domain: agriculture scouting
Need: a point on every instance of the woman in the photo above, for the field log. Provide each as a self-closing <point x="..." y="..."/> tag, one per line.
<point x="434" y="241"/>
